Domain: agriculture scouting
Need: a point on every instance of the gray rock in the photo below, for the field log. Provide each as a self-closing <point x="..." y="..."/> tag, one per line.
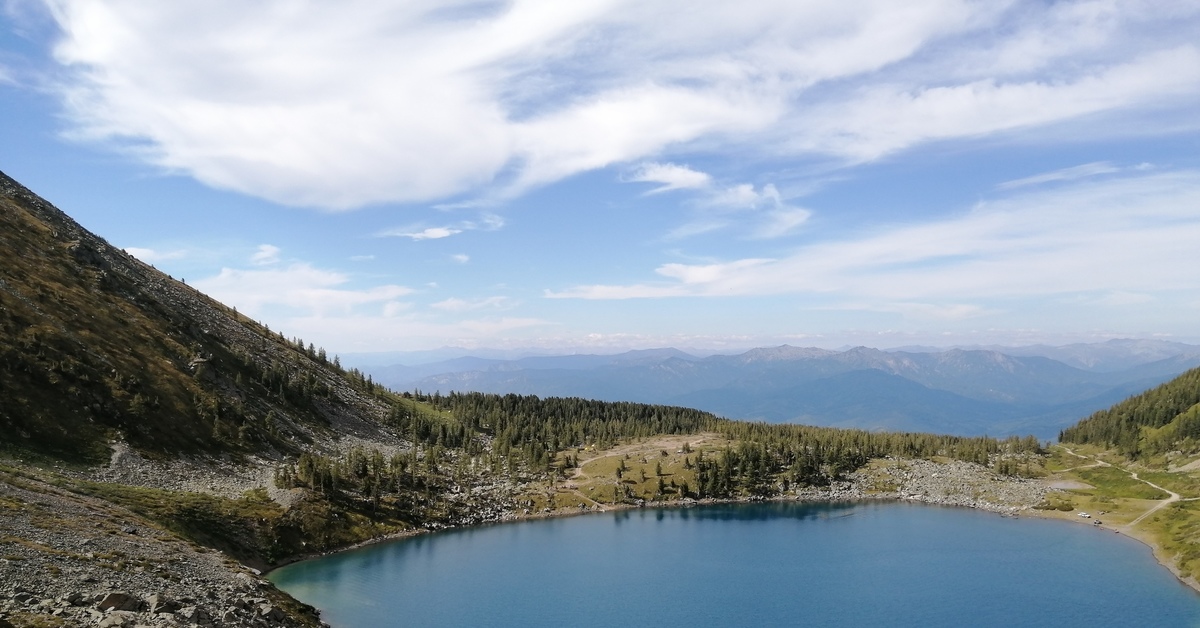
<point x="270" y="612"/>
<point x="118" y="619"/>
<point x="159" y="603"/>
<point x="194" y="615"/>
<point x="119" y="601"/>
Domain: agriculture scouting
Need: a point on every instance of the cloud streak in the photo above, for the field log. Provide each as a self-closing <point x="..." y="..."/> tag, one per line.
<point x="1121" y="236"/>
<point x="305" y="103"/>
<point x="1065" y="174"/>
<point x="299" y="288"/>
<point x="488" y="222"/>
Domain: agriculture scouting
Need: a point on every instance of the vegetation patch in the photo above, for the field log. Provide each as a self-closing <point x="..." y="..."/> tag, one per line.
<point x="1113" y="482"/>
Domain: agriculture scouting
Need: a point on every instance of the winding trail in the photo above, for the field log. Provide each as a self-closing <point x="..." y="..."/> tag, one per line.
<point x="1172" y="495"/>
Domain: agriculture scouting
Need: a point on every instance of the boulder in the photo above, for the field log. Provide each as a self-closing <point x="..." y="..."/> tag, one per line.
<point x="159" y="603"/>
<point x="118" y="619"/>
<point x="119" y="601"/>
<point x="194" y="615"/>
<point x="270" y="612"/>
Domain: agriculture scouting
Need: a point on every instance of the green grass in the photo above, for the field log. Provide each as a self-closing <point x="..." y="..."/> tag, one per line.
<point x="1177" y="530"/>
<point x="1186" y="484"/>
<point x="1115" y="483"/>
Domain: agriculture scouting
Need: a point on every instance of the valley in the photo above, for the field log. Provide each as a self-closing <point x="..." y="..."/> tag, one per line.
<point x="159" y="450"/>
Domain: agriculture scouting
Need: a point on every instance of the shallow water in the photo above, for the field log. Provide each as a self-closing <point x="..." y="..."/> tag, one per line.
<point x="782" y="564"/>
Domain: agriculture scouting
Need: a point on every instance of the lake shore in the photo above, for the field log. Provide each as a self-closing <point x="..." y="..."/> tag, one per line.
<point x="100" y="560"/>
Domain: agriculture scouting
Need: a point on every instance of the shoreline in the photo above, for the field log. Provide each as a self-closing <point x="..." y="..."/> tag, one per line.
<point x="1136" y="535"/>
<point x="840" y="494"/>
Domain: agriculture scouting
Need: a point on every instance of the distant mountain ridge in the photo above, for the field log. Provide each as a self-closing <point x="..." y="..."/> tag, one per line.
<point x="962" y="391"/>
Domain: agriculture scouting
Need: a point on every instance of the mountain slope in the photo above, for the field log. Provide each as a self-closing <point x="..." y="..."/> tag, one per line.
<point x="1160" y="420"/>
<point x="96" y="345"/>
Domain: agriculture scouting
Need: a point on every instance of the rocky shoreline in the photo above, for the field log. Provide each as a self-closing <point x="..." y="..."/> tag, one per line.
<point x="83" y="561"/>
<point x="71" y="560"/>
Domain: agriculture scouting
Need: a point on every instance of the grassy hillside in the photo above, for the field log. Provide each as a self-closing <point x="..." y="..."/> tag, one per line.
<point x="96" y="345"/>
<point x="1161" y="420"/>
<point x="1140" y="460"/>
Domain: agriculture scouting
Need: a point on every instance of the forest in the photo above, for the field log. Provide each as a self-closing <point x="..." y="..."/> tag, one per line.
<point x="461" y="438"/>
<point x="1162" y="419"/>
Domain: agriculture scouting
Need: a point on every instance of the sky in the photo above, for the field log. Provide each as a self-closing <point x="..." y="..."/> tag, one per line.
<point x="604" y="175"/>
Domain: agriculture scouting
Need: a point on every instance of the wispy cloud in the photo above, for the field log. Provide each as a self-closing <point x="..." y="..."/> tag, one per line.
<point x="428" y="233"/>
<point x="760" y="211"/>
<point x="669" y="177"/>
<point x="487" y="222"/>
<point x="266" y="255"/>
<point x="1066" y="174"/>
<point x="299" y="287"/>
<point x="151" y="256"/>
<point x="1122" y="236"/>
<point x="467" y="305"/>
<point x="362" y="102"/>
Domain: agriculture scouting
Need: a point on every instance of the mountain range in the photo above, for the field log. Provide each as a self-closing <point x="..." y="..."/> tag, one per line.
<point x="1022" y="390"/>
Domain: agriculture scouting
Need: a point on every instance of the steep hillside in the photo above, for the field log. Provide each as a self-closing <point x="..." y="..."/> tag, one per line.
<point x="96" y="345"/>
<point x="1146" y="447"/>
<point x="1161" y="420"/>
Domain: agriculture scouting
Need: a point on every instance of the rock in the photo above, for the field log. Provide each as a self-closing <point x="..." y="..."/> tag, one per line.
<point x="119" y="601"/>
<point x="270" y="612"/>
<point x="159" y="603"/>
<point x="118" y="619"/>
<point x="194" y="615"/>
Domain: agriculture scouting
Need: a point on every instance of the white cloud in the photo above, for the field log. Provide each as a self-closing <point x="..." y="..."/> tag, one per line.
<point x="462" y="305"/>
<point x="428" y="233"/>
<point x="782" y="221"/>
<point x="151" y="256"/>
<point x="1113" y="237"/>
<point x="461" y="258"/>
<point x="670" y="176"/>
<point x="266" y="255"/>
<point x="1066" y="174"/>
<point x="486" y="222"/>
<point x="883" y="119"/>
<point x="401" y="331"/>
<point x="762" y="212"/>
<point x="299" y="287"/>
<point x="365" y="102"/>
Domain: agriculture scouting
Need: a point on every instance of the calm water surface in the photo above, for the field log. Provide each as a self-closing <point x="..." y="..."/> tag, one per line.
<point x="779" y="564"/>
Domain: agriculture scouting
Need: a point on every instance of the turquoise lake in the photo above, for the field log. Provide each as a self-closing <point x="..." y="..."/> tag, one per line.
<point x="773" y="564"/>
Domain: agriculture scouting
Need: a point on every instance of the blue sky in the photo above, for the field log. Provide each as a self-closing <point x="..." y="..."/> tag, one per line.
<point x="603" y="175"/>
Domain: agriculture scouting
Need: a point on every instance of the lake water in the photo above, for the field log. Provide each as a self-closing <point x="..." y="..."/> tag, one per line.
<point x="774" y="564"/>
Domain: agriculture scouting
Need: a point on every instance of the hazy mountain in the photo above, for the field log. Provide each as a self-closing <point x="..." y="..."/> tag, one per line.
<point x="965" y="391"/>
<point x="1114" y="355"/>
